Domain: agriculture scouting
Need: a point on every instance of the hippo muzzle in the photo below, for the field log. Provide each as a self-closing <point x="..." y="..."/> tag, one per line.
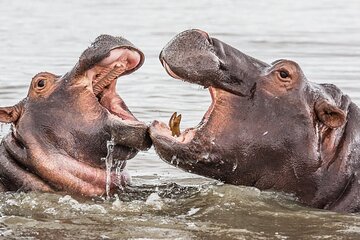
<point x="210" y="62"/>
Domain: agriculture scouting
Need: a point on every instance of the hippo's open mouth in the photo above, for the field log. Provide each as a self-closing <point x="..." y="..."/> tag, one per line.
<point x="188" y="134"/>
<point x="104" y="75"/>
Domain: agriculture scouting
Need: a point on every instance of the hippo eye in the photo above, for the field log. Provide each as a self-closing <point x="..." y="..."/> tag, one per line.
<point x="284" y="74"/>
<point x="41" y="83"/>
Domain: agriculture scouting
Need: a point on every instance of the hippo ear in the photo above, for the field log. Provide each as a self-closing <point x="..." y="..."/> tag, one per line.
<point x="8" y="115"/>
<point x="12" y="114"/>
<point x="329" y="114"/>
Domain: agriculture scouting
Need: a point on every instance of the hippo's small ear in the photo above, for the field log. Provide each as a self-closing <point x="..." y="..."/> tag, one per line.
<point x="8" y="114"/>
<point x="332" y="116"/>
<point x="12" y="114"/>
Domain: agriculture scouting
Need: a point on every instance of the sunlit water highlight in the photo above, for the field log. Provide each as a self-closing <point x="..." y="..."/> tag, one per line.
<point x="163" y="202"/>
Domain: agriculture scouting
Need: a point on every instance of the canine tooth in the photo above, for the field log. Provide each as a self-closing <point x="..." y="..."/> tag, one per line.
<point x="174" y="124"/>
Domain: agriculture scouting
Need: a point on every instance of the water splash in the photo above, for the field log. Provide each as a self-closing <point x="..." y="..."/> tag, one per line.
<point x="111" y="164"/>
<point x="155" y="201"/>
<point x="235" y="166"/>
<point x="118" y="172"/>
<point x="173" y="158"/>
<point x="3" y="129"/>
<point x="109" y="161"/>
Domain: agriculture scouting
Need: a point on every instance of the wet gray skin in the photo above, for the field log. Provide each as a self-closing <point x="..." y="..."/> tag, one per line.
<point x="267" y="126"/>
<point x="60" y="130"/>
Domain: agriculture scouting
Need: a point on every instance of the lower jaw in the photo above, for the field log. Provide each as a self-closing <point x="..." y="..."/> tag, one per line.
<point x="186" y="136"/>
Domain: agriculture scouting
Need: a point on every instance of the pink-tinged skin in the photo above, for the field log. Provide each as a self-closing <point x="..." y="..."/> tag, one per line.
<point x="267" y="125"/>
<point x="61" y="129"/>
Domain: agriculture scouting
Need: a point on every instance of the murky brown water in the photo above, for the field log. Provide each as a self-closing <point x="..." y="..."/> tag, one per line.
<point x="166" y="203"/>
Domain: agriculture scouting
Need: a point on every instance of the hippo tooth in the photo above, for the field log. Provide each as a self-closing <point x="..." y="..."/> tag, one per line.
<point x="174" y="124"/>
<point x="108" y="78"/>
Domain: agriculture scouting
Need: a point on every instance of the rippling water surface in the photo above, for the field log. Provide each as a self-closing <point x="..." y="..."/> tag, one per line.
<point x="164" y="202"/>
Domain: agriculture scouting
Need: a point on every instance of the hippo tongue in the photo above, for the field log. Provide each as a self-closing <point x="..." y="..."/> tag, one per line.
<point x="114" y="104"/>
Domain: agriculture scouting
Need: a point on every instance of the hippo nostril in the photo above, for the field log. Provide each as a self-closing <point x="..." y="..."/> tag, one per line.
<point x="205" y="34"/>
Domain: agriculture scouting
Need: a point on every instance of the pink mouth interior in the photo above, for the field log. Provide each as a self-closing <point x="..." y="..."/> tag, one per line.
<point x="188" y="134"/>
<point x="125" y="58"/>
<point x="212" y="91"/>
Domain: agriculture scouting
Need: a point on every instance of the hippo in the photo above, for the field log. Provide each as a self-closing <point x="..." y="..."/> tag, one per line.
<point x="61" y="130"/>
<point x="267" y="126"/>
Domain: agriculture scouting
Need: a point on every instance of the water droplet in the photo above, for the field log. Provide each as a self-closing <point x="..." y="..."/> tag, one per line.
<point x="205" y="156"/>
<point x="119" y="166"/>
<point x="235" y="166"/>
<point x="109" y="161"/>
<point x="4" y="127"/>
<point x="173" y="158"/>
<point x="155" y="201"/>
<point x="193" y="211"/>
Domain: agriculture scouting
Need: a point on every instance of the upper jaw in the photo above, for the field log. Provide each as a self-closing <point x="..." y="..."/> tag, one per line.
<point x="103" y="77"/>
<point x="195" y="57"/>
<point x="178" y="55"/>
<point x="120" y="61"/>
<point x="106" y="59"/>
<point x="168" y="70"/>
<point x="100" y="49"/>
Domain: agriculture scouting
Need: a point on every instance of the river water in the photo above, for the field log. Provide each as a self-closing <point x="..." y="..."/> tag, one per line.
<point x="164" y="202"/>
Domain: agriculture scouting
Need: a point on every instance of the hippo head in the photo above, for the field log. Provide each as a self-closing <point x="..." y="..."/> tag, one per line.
<point x="61" y="129"/>
<point x="267" y="125"/>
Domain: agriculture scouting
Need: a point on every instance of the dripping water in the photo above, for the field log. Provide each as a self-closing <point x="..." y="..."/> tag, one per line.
<point x="118" y="171"/>
<point x="1" y="129"/>
<point x="109" y="161"/>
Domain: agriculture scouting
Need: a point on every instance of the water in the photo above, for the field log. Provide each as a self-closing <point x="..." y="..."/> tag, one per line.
<point x="109" y="161"/>
<point x="110" y="165"/>
<point x="164" y="202"/>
